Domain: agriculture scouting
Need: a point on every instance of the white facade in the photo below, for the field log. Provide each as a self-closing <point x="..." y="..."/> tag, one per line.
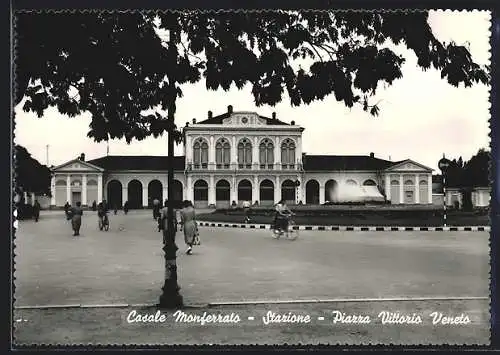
<point x="240" y="156"/>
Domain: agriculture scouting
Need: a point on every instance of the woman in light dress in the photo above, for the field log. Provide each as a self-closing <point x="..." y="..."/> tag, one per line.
<point x="188" y="224"/>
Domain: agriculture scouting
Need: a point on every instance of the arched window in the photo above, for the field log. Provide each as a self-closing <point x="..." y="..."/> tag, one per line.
<point x="245" y="154"/>
<point x="266" y="154"/>
<point x="288" y="154"/>
<point x="351" y="182"/>
<point x="222" y="154"/>
<point x="200" y="154"/>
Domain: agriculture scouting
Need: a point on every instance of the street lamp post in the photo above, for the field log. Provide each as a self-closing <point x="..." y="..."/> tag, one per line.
<point x="443" y="165"/>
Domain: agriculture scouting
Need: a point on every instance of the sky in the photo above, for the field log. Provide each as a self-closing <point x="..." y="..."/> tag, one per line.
<point x="421" y="116"/>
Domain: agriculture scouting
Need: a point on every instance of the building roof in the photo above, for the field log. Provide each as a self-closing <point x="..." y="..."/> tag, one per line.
<point x="123" y="162"/>
<point x="218" y="120"/>
<point x="345" y="162"/>
<point x="310" y="163"/>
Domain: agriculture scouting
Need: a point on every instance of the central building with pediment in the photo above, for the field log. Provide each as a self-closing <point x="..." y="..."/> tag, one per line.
<point x="241" y="156"/>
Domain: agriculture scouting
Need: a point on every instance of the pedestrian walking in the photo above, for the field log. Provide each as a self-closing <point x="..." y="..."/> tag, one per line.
<point x="156" y="209"/>
<point x="36" y="210"/>
<point x="76" y="218"/>
<point x="125" y="207"/>
<point x="189" y="226"/>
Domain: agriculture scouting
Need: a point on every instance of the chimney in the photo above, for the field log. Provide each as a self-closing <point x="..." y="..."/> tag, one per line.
<point x="292" y="123"/>
<point x="82" y="157"/>
<point x="209" y="114"/>
<point x="372" y="155"/>
<point x="194" y="120"/>
<point x="274" y="115"/>
<point x="230" y="109"/>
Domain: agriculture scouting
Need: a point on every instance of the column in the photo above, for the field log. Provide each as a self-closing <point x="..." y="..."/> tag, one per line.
<point x="53" y="190"/>
<point x="321" y="194"/>
<point x="189" y="150"/>
<point x="255" y="189"/>
<point x="189" y="189"/>
<point x="401" y="189"/>
<point x="277" y="153"/>
<point x="33" y="197"/>
<point x="84" y="190"/>
<point x="124" y="194"/>
<point x="234" y="193"/>
<point x="388" y="187"/>
<point x="298" y="151"/>
<point x="277" y="189"/>
<point x="255" y="153"/>
<point x="25" y="197"/>
<point x="68" y="188"/>
<point x="211" y="151"/>
<point x="417" y="188"/>
<point x="100" y="189"/>
<point x="429" y="188"/>
<point x="145" y="196"/>
<point x="211" y="191"/>
<point x="234" y="152"/>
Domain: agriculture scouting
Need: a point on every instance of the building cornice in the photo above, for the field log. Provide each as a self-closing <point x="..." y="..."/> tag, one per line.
<point x="213" y="129"/>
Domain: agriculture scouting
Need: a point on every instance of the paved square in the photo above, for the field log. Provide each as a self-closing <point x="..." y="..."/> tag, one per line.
<point x="126" y="265"/>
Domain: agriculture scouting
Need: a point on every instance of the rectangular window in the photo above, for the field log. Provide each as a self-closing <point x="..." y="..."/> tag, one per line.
<point x="248" y="155"/>
<point x="241" y="156"/>
<point x="204" y="156"/>
<point x="218" y="155"/>
<point x="270" y="156"/>
<point x="227" y="157"/>
<point x="196" y="156"/>
<point x="262" y="155"/>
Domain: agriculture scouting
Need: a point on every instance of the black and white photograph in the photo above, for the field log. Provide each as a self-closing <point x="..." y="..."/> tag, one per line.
<point x="251" y="177"/>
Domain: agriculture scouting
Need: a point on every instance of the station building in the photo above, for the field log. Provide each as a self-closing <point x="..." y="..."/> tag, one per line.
<point x="242" y="156"/>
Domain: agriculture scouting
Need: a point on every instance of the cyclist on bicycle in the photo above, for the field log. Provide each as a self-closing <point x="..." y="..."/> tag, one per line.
<point x="282" y="216"/>
<point x="102" y="212"/>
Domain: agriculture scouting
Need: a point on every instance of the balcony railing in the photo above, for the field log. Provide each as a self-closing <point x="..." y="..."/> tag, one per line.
<point x="238" y="166"/>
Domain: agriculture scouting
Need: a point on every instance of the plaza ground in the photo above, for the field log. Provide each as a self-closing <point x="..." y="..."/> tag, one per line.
<point x="126" y="265"/>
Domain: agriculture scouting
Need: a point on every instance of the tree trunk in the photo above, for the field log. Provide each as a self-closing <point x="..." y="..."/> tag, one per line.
<point x="170" y="298"/>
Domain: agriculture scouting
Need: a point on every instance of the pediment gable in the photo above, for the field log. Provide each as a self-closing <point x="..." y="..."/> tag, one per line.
<point x="77" y="165"/>
<point x="244" y="119"/>
<point x="409" y="165"/>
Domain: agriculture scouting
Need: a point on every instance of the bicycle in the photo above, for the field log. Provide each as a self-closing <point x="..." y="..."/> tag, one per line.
<point x="291" y="234"/>
<point x="104" y="223"/>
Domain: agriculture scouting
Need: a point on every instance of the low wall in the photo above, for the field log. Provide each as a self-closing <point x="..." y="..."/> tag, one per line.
<point x="340" y="208"/>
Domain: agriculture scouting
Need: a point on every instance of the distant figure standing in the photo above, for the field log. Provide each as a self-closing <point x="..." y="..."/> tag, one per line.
<point x="94" y="206"/>
<point x="36" y="210"/>
<point x="67" y="207"/>
<point x="125" y="207"/>
<point x="188" y="223"/>
<point x="76" y="218"/>
<point x="115" y="209"/>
